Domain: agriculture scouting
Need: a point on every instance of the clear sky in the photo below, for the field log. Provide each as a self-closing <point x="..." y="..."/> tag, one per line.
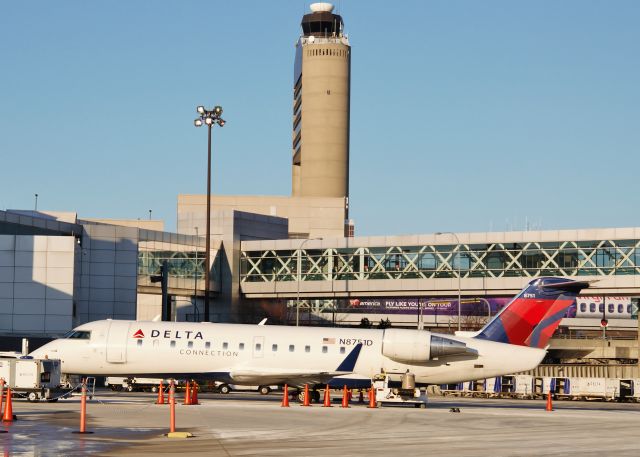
<point x="466" y="115"/>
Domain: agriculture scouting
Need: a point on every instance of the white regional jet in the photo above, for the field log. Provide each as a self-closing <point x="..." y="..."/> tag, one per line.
<point x="264" y="355"/>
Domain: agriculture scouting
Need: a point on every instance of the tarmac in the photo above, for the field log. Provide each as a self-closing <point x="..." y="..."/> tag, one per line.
<point x="246" y="424"/>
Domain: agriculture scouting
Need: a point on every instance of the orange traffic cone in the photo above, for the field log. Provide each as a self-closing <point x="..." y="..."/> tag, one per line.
<point x="285" y="397"/>
<point x="306" y="401"/>
<point x="372" y="398"/>
<point x="549" y="402"/>
<point x="8" y="409"/>
<point x="1" y="394"/>
<point x="187" y="395"/>
<point x="194" y="393"/>
<point x="160" y="400"/>
<point x="345" y="397"/>
<point x="327" y="397"/>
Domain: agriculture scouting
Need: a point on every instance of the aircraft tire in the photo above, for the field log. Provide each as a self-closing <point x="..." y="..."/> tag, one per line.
<point x="264" y="390"/>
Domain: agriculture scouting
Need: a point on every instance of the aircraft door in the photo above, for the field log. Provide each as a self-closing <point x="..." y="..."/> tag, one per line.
<point x="258" y="347"/>
<point x="117" y="340"/>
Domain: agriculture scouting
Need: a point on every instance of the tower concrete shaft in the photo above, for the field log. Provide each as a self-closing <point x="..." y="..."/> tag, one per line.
<point x="321" y="94"/>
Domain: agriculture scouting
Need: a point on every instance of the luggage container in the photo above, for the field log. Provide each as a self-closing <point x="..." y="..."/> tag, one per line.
<point x="523" y="386"/>
<point x="629" y="389"/>
<point x="592" y="388"/>
<point x="33" y="378"/>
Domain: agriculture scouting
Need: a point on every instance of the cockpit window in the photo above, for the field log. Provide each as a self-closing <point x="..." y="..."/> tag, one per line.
<point x="78" y="335"/>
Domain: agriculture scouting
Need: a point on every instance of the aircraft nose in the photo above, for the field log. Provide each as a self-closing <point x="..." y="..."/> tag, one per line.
<point x="47" y="351"/>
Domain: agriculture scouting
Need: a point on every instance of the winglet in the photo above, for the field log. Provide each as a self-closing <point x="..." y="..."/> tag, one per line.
<point x="349" y="363"/>
<point x="263" y="321"/>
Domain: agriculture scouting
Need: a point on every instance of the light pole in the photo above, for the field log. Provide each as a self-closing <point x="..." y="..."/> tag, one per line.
<point x="209" y="118"/>
<point x="195" y="281"/>
<point x="300" y="278"/>
<point x="459" y="304"/>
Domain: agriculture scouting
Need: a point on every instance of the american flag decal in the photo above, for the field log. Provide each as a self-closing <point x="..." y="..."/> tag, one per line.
<point x="328" y="341"/>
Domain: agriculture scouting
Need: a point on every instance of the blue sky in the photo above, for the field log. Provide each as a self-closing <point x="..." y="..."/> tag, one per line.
<point x="466" y="115"/>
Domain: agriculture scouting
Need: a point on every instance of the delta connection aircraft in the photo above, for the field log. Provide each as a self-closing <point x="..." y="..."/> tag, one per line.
<point x="514" y="340"/>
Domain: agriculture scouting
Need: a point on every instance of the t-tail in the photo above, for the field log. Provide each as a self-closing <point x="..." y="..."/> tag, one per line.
<point x="534" y="314"/>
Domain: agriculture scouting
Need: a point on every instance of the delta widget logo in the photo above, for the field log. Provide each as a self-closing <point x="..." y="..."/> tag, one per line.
<point x="138" y="334"/>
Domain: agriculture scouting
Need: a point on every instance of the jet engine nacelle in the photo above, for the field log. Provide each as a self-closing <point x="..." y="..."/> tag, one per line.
<point x="413" y="346"/>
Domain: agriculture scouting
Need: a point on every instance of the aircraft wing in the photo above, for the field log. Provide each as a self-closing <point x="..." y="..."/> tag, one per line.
<point x="293" y="376"/>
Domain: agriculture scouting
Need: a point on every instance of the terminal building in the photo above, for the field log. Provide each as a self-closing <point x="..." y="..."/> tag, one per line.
<point x="295" y="259"/>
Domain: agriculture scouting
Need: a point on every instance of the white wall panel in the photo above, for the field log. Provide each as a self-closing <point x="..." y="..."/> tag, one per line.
<point x="58" y="324"/>
<point x="7" y="274"/>
<point x="29" y="290"/>
<point x="59" y="276"/>
<point x="6" y="290"/>
<point x="7" y="242"/>
<point x="29" y="274"/>
<point x="60" y="259"/>
<point x="7" y="258"/>
<point x="31" y="259"/>
<point x="6" y="305"/>
<point x="61" y="244"/>
<point x="59" y="307"/>
<point x="28" y="306"/>
<point x="59" y="291"/>
<point x="103" y="255"/>
<point x="6" y="322"/>
<point x="28" y="323"/>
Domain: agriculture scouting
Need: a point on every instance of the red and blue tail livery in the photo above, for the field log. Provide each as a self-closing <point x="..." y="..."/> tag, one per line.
<point x="535" y="313"/>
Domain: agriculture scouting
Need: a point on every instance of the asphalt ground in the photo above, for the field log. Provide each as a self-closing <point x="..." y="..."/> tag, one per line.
<point x="242" y="424"/>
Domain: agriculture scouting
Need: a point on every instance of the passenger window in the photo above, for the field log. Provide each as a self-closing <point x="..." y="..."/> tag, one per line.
<point x="225" y="345"/>
<point x="241" y="346"/>
<point x="139" y="342"/>
<point x="324" y="349"/>
<point x="307" y="349"/>
<point x="207" y="345"/>
<point x="583" y="307"/>
<point x="292" y="348"/>
<point x="611" y="307"/>
<point x="172" y="344"/>
<point x="620" y="308"/>
<point x="592" y="307"/>
<point x="274" y="347"/>
<point x="342" y="349"/>
<point x="190" y="344"/>
<point x="258" y="347"/>
<point x="628" y="309"/>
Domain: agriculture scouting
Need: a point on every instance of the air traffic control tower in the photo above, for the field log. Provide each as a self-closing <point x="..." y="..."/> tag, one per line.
<point x="318" y="206"/>
<point x="321" y="87"/>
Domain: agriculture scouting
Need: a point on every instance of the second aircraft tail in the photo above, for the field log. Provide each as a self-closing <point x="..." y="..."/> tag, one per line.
<point x="534" y="314"/>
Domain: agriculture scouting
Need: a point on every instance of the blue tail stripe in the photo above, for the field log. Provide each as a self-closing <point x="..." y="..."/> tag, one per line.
<point x="537" y="331"/>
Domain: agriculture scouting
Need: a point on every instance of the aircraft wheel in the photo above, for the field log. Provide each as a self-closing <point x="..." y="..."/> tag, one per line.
<point x="33" y="396"/>
<point x="130" y="388"/>
<point x="301" y="396"/>
<point x="315" y="395"/>
<point x="154" y="389"/>
<point x="264" y="390"/>
<point x="225" y="389"/>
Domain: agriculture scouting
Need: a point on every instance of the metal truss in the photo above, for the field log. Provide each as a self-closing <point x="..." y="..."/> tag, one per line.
<point x="182" y="264"/>
<point x="495" y="260"/>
